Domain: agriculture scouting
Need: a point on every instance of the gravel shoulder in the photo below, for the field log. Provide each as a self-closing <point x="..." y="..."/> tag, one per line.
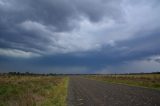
<point x="85" y="92"/>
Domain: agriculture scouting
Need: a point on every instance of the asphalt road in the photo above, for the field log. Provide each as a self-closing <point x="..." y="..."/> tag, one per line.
<point x="85" y="92"/>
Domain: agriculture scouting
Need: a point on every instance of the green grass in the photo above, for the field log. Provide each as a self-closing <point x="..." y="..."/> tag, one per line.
<point x="143" y="80"/>
<point x="33" y="91"/>
<point x="60" y="95"/>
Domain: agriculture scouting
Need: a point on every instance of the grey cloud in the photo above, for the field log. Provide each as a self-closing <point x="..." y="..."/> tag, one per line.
<point x="96" y="10"/>
<point x="57" y="16"/>
<point x="87" y="33"/>
<point x="48" y="20"/>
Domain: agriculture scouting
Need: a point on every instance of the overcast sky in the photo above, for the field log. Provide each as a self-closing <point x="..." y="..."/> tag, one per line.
<point x="80" y="36"/>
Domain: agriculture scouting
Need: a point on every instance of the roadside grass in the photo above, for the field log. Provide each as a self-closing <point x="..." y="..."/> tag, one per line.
<point x="33" y="91"/>
<point x="144" y="80"/>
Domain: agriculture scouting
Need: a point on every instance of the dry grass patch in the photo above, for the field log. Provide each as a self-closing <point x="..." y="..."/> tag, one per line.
<point x="33" y="91"/>
<point x="144" y="80"/>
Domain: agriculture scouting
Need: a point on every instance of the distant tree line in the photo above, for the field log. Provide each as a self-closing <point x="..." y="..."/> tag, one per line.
<point x="28" y="74"/>
<point x="55" y="74"/>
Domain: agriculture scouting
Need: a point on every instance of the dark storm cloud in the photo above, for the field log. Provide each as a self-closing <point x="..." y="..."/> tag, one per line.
<point x="133" y="49"/>
<point x="48" y="12"/>
<point x="108" y="56"/>
<point x="58" y="13"/>
<point x="83" y="35"/>
<point x="97" y="10"/>
<point x="51" y="15"/>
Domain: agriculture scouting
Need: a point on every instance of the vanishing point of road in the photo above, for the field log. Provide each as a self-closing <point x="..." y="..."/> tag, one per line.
<point x="85" y="92"/>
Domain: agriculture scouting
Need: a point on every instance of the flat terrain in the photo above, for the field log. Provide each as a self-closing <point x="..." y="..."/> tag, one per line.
<point x="33" y="90"/>
<point x="85" y="92"/>
<point x="144" y="80"/>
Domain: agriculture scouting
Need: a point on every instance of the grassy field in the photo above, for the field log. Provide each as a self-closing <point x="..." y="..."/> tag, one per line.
<point x="144" y="80"/>
<point x="33" y="91"/>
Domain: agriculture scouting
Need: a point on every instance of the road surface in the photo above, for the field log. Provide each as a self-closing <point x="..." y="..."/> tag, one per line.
<point x="85" y="92"/>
